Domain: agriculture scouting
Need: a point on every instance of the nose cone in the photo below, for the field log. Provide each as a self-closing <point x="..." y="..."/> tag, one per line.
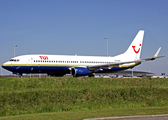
<point x="4" y="65"/>
<point x="7" y="66"/>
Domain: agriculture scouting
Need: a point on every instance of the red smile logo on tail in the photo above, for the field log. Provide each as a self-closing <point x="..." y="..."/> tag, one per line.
<point x="135" y="50"/>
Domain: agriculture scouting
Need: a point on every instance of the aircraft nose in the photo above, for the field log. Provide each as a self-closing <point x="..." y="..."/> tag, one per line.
<point x="4" y="65"/>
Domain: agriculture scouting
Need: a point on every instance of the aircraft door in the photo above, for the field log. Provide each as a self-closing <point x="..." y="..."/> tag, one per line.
<point x="29" y="62"/>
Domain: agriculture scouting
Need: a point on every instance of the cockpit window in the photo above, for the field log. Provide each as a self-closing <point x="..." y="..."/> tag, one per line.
<point x="15" y="60"/>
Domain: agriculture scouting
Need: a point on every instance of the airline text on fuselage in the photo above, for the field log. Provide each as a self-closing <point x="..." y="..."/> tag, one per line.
<point x="44" y="57"/>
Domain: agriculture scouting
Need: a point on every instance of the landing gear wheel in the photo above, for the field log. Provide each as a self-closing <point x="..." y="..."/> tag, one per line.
<point x="91" y="75"/>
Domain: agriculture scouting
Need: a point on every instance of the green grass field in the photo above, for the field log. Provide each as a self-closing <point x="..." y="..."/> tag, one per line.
<point x="21" y="96"/>
<point x="76" y="115"/>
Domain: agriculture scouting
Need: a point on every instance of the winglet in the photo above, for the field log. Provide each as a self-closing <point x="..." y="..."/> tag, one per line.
<point x="156" y="54"/>
<point x="154" y="57"/>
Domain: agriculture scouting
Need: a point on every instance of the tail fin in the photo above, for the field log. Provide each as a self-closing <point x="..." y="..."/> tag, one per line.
<point x="134" y="50"/>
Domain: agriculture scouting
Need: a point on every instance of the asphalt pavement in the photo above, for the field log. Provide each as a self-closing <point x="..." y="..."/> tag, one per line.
<point x="143" y="117"/>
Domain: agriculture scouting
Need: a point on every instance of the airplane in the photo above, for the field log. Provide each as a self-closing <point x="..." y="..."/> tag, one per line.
<point x="59" y="65"/>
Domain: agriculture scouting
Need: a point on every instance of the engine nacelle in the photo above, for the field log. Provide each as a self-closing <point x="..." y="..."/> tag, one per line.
<point x="80" y="71"/>
<point x="16" y="73"/>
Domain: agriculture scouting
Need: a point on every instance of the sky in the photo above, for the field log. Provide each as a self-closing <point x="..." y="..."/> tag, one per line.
<point x="79" y="27"/>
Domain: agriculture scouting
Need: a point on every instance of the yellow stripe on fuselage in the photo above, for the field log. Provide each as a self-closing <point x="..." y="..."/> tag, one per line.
<point x="65" y="65"/>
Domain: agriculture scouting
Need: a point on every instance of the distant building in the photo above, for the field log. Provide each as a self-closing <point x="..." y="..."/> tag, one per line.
<point x="126" y="74"/>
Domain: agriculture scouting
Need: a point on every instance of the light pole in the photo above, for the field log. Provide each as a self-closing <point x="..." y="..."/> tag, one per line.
<point x="14" y="49"/>
<point x="132" y="73"/>
<point x="107" y="44"/>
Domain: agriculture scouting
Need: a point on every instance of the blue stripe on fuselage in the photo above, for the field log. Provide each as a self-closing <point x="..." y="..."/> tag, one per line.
<point x="36" y="69"/>
<point x="54" y="69"/>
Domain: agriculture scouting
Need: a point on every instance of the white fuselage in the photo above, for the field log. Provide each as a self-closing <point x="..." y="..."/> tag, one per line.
<point x="77" y="65"/>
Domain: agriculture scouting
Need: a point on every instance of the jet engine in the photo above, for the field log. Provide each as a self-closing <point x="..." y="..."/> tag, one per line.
<point x="80" y="71"/>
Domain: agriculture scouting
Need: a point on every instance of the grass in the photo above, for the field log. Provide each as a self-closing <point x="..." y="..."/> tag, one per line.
<point x="74" y="115"/>
<point x="19" y="96"/>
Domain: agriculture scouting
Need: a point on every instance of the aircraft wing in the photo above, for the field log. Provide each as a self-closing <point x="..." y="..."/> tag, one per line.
<point x="135" y="62"/>
<point x="155" y="56"/>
